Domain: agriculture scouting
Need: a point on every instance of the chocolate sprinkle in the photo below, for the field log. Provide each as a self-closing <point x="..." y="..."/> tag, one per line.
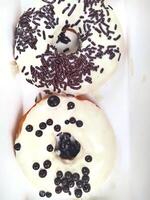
<point x="59" y="70"/>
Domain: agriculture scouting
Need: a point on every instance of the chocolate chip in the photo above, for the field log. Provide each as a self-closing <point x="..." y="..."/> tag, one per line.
<point x="68" y="175"/>
<point x="53" y="101"/>
<point x="38" y="133"/>
<point x="47" y="164"/>
<point x="29" y="128"/>
<point x="76" y="176"/>
<point x="58" y="189"/>
<point x="50" y="148"/>
<point x="85" y="170"/>
<point x="42" y="173"/>
<point x="85" y="178"/>
<point x="57" y="128"/>
<point x="88" y="158"/>
<point x="79" y="123"/>
<point x="36" y="166"/>
<point x="86" y="188"/>
<point x="42" y="125"/>
<point x="57" y="181"/>
<point x="49" y="122"/>
<point x="79" y="184"/>
<point x="48" y="194"/>
<point x="59" y="174"/>
<point x="72" y="120"/>
<point x="17" y="146"/>
<point x="70" y="105"/>
<point x="42" y="193"/>
<point x="78" y="193"/>
<point x="66" y="122"/>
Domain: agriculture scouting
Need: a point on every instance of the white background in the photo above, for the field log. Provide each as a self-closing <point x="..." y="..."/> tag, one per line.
<point x="125" y="99"/>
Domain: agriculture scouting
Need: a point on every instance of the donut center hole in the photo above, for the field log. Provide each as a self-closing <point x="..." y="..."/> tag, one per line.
<point x="68" y="41"/>
<point x="67" y="147"/>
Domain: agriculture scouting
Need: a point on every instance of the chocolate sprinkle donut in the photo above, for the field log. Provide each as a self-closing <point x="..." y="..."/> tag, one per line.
<point x="72" y="49"/>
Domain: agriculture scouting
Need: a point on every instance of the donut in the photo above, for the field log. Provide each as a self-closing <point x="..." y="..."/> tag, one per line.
<point x="65" y="147"/>
<point x="68" y="46"/>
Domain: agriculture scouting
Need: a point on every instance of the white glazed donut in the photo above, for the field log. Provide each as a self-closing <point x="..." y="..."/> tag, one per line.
<point x="65" y="147"/>
<point x="68" y="46"/>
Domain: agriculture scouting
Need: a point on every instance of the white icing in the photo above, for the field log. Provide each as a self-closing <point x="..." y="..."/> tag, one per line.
<point x="95" y="136"/>
<point x="28" y="58"/>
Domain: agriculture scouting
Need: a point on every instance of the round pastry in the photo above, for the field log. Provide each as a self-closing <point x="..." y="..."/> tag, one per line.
<point x="65" y="147"/>
<point x="68" y="46"/>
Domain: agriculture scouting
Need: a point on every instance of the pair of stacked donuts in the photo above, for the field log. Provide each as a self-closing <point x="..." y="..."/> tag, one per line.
<point x="65" y="144"/>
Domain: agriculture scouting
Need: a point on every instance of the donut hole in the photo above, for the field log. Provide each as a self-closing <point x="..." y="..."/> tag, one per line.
<point x="67" y="147"/>
<point x="68" y="41"/>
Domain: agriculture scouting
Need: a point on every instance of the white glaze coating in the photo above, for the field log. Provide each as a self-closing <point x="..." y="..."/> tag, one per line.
<point x="27" y="58"/>
<point x="96" y="138"/>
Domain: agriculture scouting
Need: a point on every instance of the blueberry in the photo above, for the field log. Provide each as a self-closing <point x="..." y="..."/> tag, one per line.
<point x="86" y="188"/>
<point x="42" y="173"/>
<point x="29" y="128"/>
<point x="72" y="120"/>
<point x="76" y="176"/>
<point x="53" y="101"/>
<point x="71" y="184"/>
<point x="78" y="193"/>
<point x="85" y="170"/>
<point x="42" y="125"/>
<point x="79" y="184"/>
<point x="65" y="188"/>
<point x="70" y="105"/>
<point x="49" y="122"/>
<point x="88" y="158"/>
<point x="57" y="128"/>
<point x="58" y="189"/>
<point x="36" y="166"/>
<point x="50" y="148"/>
<point x="17" y="146"/>
<point x="42" y="193"/>
<point x="59" y="174"/>
<point x="48" y="194"/>
<point x="57" y="181"/>
<point x="47" y="164"/>
<point x="85" y="178"/>
<point x="38" y="133"/>
<point x="79" y="123"/>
